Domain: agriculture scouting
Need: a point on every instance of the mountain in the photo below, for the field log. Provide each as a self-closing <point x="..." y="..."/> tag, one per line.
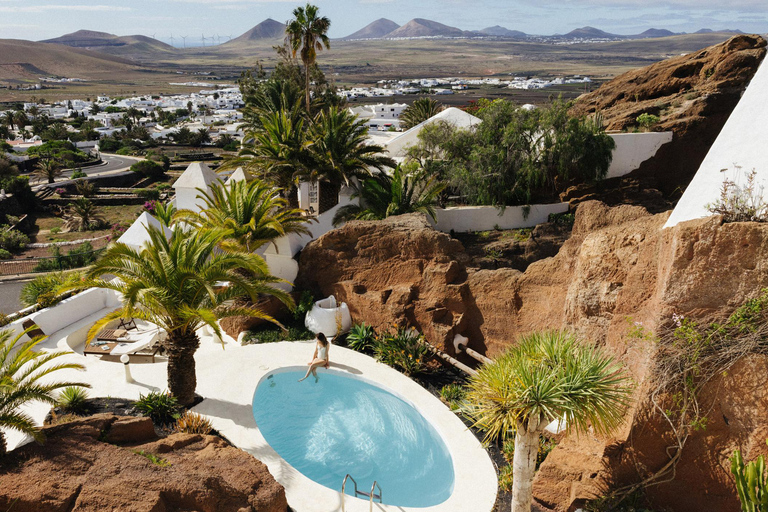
<point x="419" y="27"/>
<point x="500" y="31"/>
<point x="704" y="31"/>
<point x="137" y="47"/>
<point x="375" y="30"/>
<point x="267" y="29"/>
<point x="28" y="60"/>
<point x="654" y="32"/>
<point x="589" y="33"/>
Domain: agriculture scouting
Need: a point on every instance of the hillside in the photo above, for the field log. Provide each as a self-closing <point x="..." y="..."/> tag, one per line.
<point x="419" y="27"/>
<point x="136" y="47"/>
<point x="21" y="61"/>
<point x="375" y="30"/>
<point x="589" y="33"/>
<point x="654" y="32"/>
<point x="500" y="31"/>
<point x="267" y="29"/>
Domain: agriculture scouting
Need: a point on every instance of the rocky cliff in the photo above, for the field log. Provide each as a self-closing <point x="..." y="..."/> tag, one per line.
<point x="617" y="268"/>
<point x="101" y="463"/>
<point x="692" y="94"/>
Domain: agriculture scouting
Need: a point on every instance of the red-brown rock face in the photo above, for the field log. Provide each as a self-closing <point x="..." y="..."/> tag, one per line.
<point x="617" y="268"/>
<point x="75" y="471"/>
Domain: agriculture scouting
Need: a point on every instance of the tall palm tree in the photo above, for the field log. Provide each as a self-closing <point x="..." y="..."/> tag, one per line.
<point x="47" y="169"/>
<point x="251" y="212"/>
<point x="175" y="283"/>
<point x="278" y="153"/>
<point x="165" y="213"/>
<point x="548" y="376"/>
<point x="341" y="150"/>
<point x="21" y="120"/>
<point x="419" y="111"/>
<point x="23" y="372"/>
<point x="382" y="196"/>
<point x="306" y="34"/>
<point x="269" y="97"/>
<point x="9" y="119"/>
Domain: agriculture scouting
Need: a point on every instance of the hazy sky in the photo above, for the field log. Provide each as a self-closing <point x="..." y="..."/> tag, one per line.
<point x="41" y="19"/>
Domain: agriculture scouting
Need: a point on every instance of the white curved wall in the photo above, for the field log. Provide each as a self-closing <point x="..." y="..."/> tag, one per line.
<point x="632" y="149"/>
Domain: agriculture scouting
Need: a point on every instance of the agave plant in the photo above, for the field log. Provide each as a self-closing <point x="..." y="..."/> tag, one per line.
<point x="24" y="378"/>
<point x="81" y="216"/>
<point x="548" y="376"/>
<point x="419" y="111"/>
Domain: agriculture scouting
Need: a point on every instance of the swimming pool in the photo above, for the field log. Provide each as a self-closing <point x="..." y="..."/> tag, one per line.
<point x="343" y="425"/>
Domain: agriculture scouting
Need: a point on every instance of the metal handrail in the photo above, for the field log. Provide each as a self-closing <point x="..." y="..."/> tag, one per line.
<point x="371" y="496"/>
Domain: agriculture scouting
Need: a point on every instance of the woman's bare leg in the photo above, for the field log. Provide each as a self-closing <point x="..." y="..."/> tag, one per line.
<point x="312" y="368"/>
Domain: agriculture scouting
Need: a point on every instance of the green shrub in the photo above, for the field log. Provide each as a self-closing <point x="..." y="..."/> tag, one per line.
<point x="78" y="257"/>
<point x="193" y="423"/>
<point x="4" y="320"/>
<point x="56" y="230"/>
<point x="751" y="483"/>
<point x="12" y="240"/>
<point x="275" y="334"/>
<point x="163" y="186"/>
<point x="505" y="478"/>
<point x="404" y="349"/>
<point x="149" y="169"/>
<point x="77" y="174"/>
<point x="47" y="284"/>
<point x="163" y="408"/>
<point x="4" y="254"/>
<point x="73" y="399"/>
<point x="303" y="305"/>
<point x="647" y="121"/>
<point x="452" y="392"/>
<point x="562" y="219"/>
<point x="150" y="194"/>
<point x="361" y="337"/>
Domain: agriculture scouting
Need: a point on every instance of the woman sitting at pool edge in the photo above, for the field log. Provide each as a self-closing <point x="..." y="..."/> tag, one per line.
<point x="320" y="357"/>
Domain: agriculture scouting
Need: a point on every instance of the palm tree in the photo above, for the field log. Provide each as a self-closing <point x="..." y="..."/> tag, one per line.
<point x="200" y="137"/>
<point x="47" y="169"/>
<point x="279" y="152"/>
<point x="165" y="212"/>
<point x="306" y="34"/>
<point x="22" y="380"/>
<point x="548" y="376"/>
<point x="21" y="120"/>
<point x="175" y="283"/>
<point x="9" y="119"/>
<point x="251" y="212"/>
<point x="269" y="97"/>
<point x="81" y="216"/>
<point x="341" y="150"/>
<point x="419" y="111"/>
<point x="383" y="196"/>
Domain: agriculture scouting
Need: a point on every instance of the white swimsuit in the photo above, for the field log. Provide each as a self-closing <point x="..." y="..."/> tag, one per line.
<point x="322" y="351"/>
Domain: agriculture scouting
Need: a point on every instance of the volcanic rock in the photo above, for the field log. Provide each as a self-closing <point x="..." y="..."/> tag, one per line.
<point x="76" y="471"/>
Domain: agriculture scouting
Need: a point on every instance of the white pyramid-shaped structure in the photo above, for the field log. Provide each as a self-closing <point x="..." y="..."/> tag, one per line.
<point x="198" y="176"/>
<point x="741" y="146"/>
<point x="240" y="174"/>
<point x="136" y="235"/>
<point x="455" y="116"/>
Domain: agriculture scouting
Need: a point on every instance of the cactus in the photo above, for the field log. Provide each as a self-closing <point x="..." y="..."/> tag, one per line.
<point x="751" y="483"/>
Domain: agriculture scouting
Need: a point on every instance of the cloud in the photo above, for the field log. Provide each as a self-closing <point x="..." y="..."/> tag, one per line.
<point x="50" y="7"/>
<point x="690" y="5"/>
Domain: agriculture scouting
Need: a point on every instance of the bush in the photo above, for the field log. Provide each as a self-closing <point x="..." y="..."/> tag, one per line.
<point x="12" y="240"/>
<point x="163" y="408"/>
<point x="193" y="423"/>
<point x="361" y="337"/>
<point x="47" y="285"/>
<point x="150" y="194"/>
<point x="275" y="334"/>
<point x="149" y="169"/>
<point x="73" y="399"/>
<point x="79" y="257"/>
<point x="505" y="478"/>
<point x="4" y="254"/>
<point x="647" y="121"/>
<point x="77" y="174"/>
<point x="739" y="203"/>
<point x="404" y="349"/>
<point x="109" y="145"/>
<point x="303" y="306"/>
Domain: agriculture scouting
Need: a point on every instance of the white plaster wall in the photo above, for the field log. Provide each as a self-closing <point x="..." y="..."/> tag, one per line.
<point x="742" y="142"/>
<point x="186" y="199"/>
<point x="632" y="149"/>
<point x="73" y="309"/>
<point x="463" y="219"/>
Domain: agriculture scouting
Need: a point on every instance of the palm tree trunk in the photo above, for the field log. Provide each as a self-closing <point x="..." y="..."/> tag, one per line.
<point x="3" y="445"/>
<point x="524" y="465"/>
<point x="182" y="379"/>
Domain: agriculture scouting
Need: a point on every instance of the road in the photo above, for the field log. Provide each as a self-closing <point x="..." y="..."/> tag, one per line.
<point x="113" y="164"/>
<point x="9" y="296"/>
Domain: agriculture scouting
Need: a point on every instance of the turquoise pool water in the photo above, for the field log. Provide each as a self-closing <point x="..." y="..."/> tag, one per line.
<point x="341" y="425"/>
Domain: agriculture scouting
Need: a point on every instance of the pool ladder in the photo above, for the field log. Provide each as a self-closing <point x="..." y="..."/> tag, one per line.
<point x="370" y="495"/>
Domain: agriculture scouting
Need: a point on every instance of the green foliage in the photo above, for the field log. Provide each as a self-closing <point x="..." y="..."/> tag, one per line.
<point x="543" y="368"/>
<point x="306" y="35"/>
<point x="546" y="445"/>
<point x="19" y="187"/>
<point x="647" y="121"/>
<point x="163" y="408"/>
<point x="12" y="240"/>
<point x="275" y="334"/>
<point x="407" y="190"/>
<point x="741" y="203"/>
<point x="516" y="155"/>
<point x="403" y="349"/>
<point x="505" y="478"/>
<point x="151" y="457"/>
<point x="25" y="377"/>
<point x="419" y="111"/>
<point x="150" y="194"/>
<point x="77" y="174"/>
<point x="85" y="188"/>
<point x="78" y="257"/>
<point x="361" y="337"/>
<point x="562" y="219"/>
<point x="149" y="169"/>
<point x="751" y="483"/>
<point x="73" y="399"/>
<point x="81" y="215"/>
<point x="48" y="285"/>
<point x="304" y="305"/>
<point x="62" y="151"/>
<point x="4" y="254"/>
<point x="453" y="395"/>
